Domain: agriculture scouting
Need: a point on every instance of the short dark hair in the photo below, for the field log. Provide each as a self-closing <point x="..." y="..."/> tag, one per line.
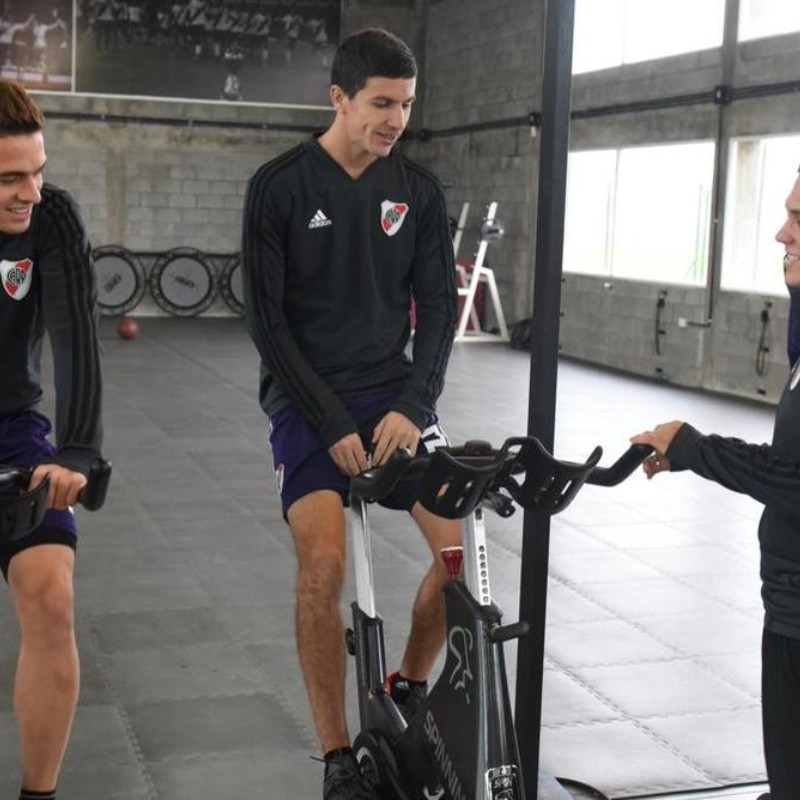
<point x="18" y="113"/>
<point x="371" y="53"/>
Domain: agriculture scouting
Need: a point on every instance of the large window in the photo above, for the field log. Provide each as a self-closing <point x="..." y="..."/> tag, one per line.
<point x="613" y="32"/>
<point x="761" y="174"/>
<point x="641" y="212"/>
<point x="759" y="18"/>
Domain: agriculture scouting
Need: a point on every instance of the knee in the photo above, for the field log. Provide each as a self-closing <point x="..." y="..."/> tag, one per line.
<point x="321" y="572"/>
<point x="46" y="614"/>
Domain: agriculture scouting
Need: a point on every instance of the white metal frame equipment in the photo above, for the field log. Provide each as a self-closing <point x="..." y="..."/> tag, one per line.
<point x="469" y="289"/>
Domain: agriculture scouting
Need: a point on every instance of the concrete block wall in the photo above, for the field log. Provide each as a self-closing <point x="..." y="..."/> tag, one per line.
<point x="152" y="187"/>
<point x="483" y="64"/>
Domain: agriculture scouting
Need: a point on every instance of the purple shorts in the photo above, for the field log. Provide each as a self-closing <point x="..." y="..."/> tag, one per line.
<point x="302" y="463"/>
<point x="24" y="443"/>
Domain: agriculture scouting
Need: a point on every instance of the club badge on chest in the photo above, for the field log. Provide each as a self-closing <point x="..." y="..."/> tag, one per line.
<point x="16" y="277"/>
<point x="393" y="214"/>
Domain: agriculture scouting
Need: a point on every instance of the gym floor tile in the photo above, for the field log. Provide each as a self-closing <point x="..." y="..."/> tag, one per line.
<point x="703" y="560"/>
<point x="566" y="702"/>
<point x="122" y="592"/>
<point x="709" y="632"/>
<point x="182" y="671"/>
<point x="211" y="777"/>
<point x="566" y="604"/>
<point x="618" y="758"/>
<point x="611" y="641"/>
<point x="259" y="621"/>
<point x="258" y="723"/>
<point x="656" y="597"/>
<point x="728" y="744"/>
<point x="741" y="591"/>
<point x="100" y="737"/>
<point x="743" y="672"/>
<point x="106" y="782"/>
<point x="600" y="565"/>
<point x="127" y="632"/>
<point x="662" y="688"/>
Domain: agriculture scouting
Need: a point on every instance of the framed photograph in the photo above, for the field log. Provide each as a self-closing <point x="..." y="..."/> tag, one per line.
<point x="259" y="51"/>
<point x="36" y="43"/>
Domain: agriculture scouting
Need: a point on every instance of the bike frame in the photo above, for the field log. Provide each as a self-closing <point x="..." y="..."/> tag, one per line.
<point x="462" y="745"/>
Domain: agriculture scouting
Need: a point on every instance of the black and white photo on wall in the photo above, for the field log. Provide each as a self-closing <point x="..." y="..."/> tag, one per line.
<point x="36" y="43"/>
<point x="258" y="51"/>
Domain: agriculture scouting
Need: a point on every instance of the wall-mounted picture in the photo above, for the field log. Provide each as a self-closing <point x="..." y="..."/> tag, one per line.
<point x="36" y="43"/>
<point x="258" y="51"/>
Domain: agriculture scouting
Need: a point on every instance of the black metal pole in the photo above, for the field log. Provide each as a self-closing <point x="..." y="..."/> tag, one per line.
<point x="559" y="24"/>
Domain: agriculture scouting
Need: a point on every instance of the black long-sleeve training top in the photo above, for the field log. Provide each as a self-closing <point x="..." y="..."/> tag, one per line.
<point x="329" y="266"/>
<point x="771" y="475"/>
<point x="48" y="285"/>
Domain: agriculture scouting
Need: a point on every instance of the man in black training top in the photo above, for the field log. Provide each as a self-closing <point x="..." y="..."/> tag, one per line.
<point x="339" y="233"/>
<point x="46" y="283"/>
<point x="771" y="475"/>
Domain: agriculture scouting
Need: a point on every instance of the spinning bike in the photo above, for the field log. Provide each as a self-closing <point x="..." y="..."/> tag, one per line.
<point x="461" y="744"/>
<point x="22" y="511"/>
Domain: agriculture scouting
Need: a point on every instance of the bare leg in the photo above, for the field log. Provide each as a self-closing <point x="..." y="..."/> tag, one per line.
<point x="427" y="618"/>
<point x="318" y="526"/>
<point x="48" y="673"/>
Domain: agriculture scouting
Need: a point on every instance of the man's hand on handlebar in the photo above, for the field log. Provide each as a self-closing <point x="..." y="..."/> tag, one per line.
<point x="348" y="454"/>
<point x="393" y="432"/>
<point x="660" y="438"/>
<point x="65" y="485"/>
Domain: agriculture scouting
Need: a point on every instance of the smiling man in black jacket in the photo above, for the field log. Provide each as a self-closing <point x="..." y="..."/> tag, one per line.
<point x="46" y="284"/>
<point x="339" y="234"/>
<point x="771" y="475"/>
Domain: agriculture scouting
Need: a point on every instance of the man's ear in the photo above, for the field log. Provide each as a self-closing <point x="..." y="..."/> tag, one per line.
<point x="338" y="97"/>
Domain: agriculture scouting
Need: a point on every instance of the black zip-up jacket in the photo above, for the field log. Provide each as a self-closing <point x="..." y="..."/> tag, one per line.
<point x="48" y="285"/>
<point x="771" y="475"/>
<point x="330" y="265"/>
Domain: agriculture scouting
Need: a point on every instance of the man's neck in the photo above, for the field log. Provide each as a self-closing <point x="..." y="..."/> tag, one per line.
<point x="341" y="151"/>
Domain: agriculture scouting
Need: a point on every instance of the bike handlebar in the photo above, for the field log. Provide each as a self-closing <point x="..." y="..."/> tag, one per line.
<point x="454" y="480"/>
<point x="92" y="496"/>
<point x="22" y="511"/>
<point x="622" y="468"/>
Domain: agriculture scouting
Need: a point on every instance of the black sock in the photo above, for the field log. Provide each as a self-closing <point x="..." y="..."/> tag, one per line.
<point x="408" y="684"/>
<point x="29" y="794"/>
<point x="339" y="751"/>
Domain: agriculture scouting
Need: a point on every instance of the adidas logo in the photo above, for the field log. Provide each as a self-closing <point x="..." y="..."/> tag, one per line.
<point x="319" y="220"/>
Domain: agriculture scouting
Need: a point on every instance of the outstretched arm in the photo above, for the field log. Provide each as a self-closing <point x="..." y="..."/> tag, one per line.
<point x="751" y="469"/>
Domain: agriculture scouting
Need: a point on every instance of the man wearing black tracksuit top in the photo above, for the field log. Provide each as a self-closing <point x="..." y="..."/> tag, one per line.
<point x="771" y="475"/>
<point x="46" y="285"/>
<point x="339" y="234"/>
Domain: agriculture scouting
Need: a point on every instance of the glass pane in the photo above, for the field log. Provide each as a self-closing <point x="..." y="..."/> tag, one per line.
<point x="663" y="204"/>
<point x="759" y="18"/>
<point x="761" y="175"/>
<point x="597" y="41"/>
<point x="613" y="32"/>
<point x="588" y="222"/>
<point x="655" y="29"/>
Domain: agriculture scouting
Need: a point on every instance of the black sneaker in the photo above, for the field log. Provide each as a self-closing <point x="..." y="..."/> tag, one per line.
<point x="343" y="780"/>
<point x="408" y="696"/>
